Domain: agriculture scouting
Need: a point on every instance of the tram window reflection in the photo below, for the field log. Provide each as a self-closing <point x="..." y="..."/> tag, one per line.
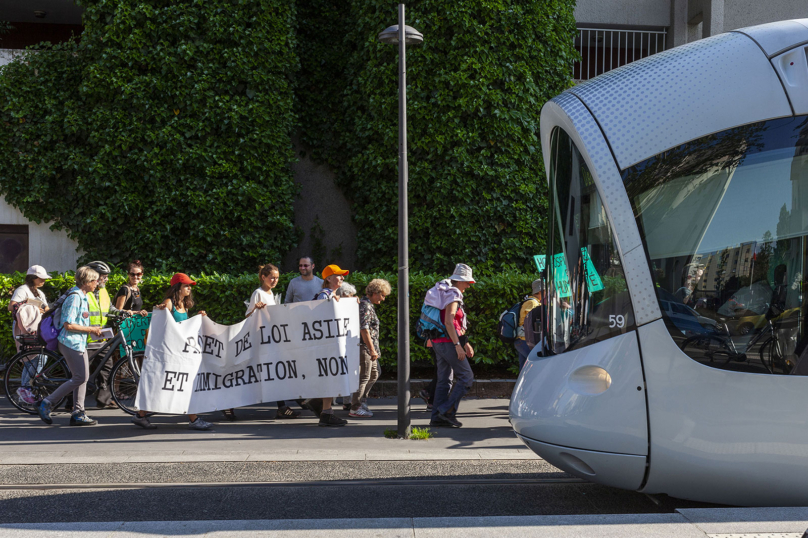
<point x="724" y="221"/>
<point x="588" y="299"/>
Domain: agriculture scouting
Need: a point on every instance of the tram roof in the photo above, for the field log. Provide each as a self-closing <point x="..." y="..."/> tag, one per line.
<point x="696" y="89"/>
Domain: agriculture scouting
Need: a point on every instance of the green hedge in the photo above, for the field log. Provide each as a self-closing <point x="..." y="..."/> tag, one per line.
<point x="223" y="296"/>
<point x="475" y="90"/>
<point x="164" y="135"/>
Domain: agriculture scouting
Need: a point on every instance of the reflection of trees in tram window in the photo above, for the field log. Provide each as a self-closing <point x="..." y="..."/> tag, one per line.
<point x="722" y="151"/>
<point x="730" y="290"/>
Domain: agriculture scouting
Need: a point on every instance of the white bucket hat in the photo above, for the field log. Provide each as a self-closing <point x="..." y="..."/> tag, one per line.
<point x="462" y="273"/>
<point x="38" y="271"/>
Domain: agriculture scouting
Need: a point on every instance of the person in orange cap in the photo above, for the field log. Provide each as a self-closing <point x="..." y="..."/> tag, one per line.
<point x="332" y="279"/>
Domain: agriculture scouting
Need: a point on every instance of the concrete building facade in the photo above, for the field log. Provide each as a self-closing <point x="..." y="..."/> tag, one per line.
<point x="615" y="32"/>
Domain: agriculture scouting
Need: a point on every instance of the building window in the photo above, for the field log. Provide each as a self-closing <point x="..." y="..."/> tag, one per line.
<point x="13" y="248"/>
<point x="604" y="49"/>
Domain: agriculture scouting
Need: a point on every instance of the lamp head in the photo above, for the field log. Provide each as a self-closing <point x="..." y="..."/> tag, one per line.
<point x="389" y="35"/>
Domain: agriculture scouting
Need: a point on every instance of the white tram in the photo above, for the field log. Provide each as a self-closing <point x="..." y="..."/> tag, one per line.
<point x="677" y="268"/>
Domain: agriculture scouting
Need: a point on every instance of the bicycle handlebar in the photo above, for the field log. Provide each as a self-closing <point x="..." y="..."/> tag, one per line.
<point x="117" y="318"/>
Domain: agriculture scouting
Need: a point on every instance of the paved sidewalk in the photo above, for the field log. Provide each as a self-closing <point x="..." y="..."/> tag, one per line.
<point x="685" y="523"/>
<point x="486" y="435"/>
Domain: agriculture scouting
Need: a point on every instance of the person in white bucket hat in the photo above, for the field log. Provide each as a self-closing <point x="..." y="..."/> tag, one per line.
<point x="452" y="348"/>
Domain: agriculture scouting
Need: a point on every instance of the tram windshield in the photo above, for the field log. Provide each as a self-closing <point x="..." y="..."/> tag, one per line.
<point x="724" y="220"/>
<point x="588" y="300"/>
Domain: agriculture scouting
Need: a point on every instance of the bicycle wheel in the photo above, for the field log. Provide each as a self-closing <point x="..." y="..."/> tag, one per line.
<point x="708" y="349"/>
<point x="771" y="355"/>
<point x="123" y="382"/>
<point x="34" y="374"/>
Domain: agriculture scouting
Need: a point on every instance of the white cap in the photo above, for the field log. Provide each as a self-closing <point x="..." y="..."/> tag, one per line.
<point x="38" y="271"/>
<point x="462" y="273"/>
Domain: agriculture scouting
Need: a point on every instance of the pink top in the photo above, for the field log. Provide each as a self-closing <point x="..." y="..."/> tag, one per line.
<point x="457" y="322"/>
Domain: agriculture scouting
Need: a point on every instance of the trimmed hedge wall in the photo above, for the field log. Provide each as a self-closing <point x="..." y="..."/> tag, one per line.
<point x="165" y="134"/>
<point x="476" y="86"/>
<point x="223" y="296"/>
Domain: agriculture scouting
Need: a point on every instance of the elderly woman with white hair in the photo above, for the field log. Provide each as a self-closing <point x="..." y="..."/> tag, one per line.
<point x="73" y="347"/>
<point x="369" y="351"/>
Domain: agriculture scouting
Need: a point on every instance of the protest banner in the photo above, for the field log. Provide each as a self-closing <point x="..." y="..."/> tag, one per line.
<point x="281" y="352"/>
<point x="134" y="329"/>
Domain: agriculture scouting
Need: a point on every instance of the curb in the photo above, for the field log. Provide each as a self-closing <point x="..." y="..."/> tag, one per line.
<point x="483" y="388"/>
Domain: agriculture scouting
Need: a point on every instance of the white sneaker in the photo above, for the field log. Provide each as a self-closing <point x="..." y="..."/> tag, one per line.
<point x="360" y="413"/>
<point x="200" y="424"/>
<point x="364" y="405"/>
<point x="26" y="395"/>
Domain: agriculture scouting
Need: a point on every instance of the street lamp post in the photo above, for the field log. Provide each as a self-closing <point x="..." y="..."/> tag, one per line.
<point x="402" y="36"/>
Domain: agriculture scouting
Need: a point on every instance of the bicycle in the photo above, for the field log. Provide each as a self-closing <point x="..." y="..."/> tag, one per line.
<point x="41" y="371"/>
<point x="718" y="346"/>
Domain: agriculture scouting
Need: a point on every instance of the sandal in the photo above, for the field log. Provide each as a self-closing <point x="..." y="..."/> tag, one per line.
<point x="230" y="414"/>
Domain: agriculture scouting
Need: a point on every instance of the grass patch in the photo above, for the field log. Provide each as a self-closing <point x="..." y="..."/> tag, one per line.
<point x="421" y="433"/>
<point x="417" y="433"/>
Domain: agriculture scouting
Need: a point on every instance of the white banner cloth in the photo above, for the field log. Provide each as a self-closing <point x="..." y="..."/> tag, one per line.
<point x="282" y="352"/>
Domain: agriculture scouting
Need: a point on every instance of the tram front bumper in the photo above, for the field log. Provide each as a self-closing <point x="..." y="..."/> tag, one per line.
<point x="585" y="411"/>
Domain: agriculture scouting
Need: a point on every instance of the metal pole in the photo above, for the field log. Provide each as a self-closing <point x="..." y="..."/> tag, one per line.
<point x="403" y="241"/>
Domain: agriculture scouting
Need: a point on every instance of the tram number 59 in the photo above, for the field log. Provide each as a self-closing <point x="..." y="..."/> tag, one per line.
<point x="617" y="321"/>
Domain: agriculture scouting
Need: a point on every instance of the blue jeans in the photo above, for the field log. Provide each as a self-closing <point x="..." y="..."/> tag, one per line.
<point x="31" y="369"/>
<point x="523" y="350"/>
<point x="446" y="401"/>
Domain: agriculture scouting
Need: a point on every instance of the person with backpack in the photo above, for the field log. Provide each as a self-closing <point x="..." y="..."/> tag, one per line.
<point x="128" y="298"/>
<point x="532" y="301"/>
<point x="75" y="327"/>
<point x="29" y="293"/>
<point x="27" y="305"/>
<point x="451" y="346"/>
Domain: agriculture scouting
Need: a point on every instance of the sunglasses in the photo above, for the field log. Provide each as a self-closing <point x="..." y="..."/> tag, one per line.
<point x="304" y="265"/>
<point x="135" y="274"/>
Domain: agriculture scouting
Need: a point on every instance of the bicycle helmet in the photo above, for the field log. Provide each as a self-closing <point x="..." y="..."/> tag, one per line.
<point x="100" y="267"/>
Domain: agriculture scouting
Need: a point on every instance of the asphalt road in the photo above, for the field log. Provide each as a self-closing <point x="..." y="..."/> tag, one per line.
<point x="264" y="469"/>
<point x="306" y="490"/>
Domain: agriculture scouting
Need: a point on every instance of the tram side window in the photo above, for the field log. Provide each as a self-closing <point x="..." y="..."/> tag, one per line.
<point x="724" y="221"/>
<point x="588" y="299"/>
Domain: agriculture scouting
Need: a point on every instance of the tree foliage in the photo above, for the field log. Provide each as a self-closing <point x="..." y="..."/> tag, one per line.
<point x="475" y="90"/>
<point x="164" y="135"/>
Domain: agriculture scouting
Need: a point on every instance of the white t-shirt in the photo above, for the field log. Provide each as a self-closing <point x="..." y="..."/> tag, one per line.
<point x="24" y="292"/>
<point x="259" y="295"/>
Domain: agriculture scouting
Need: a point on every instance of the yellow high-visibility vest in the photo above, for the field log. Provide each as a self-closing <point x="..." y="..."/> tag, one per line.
<point x="98" y="309"/>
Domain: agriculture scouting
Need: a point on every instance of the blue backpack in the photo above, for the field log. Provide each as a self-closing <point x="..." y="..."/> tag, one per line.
<point x="429" y="325"/>
<point x="508" y="326"/>
<point x="51" y="324"/>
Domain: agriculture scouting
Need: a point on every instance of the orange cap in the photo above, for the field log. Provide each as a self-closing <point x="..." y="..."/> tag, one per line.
<point x="333" y="270"/>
